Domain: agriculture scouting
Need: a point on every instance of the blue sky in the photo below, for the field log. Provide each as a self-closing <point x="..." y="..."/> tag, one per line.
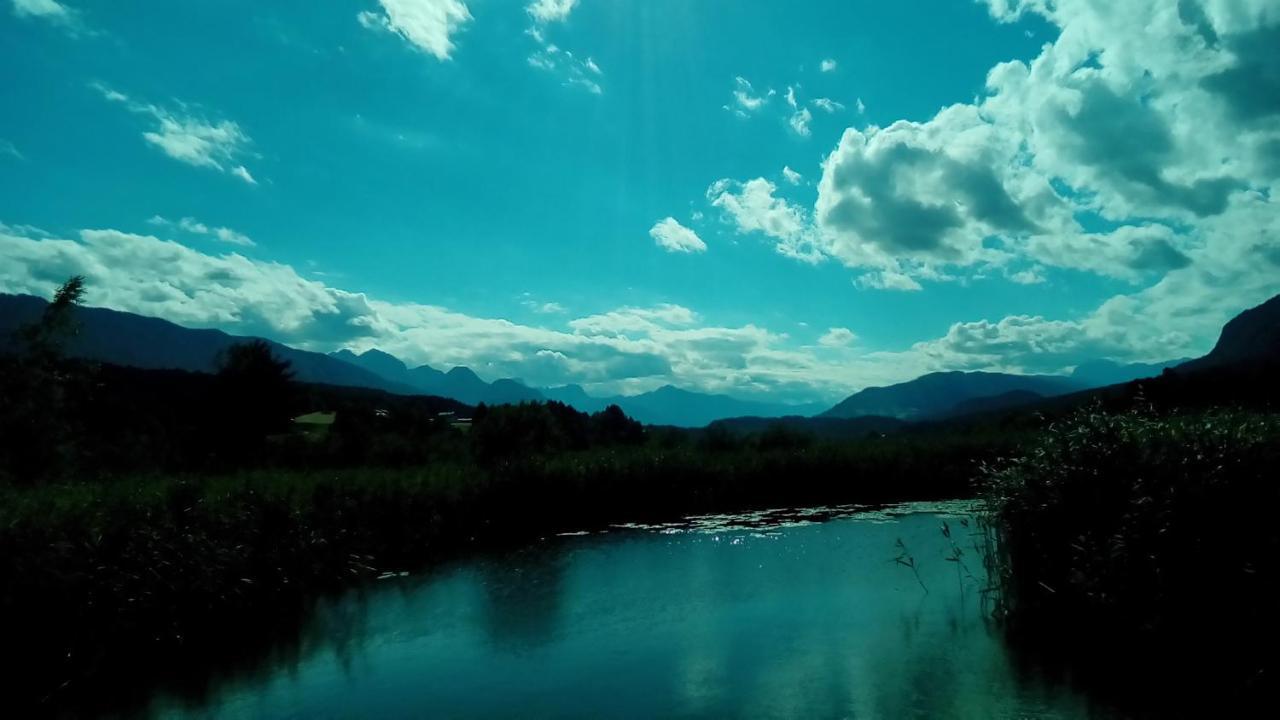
<point x="489" y="182"/>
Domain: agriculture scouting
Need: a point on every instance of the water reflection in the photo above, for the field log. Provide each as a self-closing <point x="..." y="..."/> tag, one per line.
<point x="711" y="619"/>
<point x="523" y="597"/>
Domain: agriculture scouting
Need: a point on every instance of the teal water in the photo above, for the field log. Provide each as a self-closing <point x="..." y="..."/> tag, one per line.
<point x="763" y="616"/>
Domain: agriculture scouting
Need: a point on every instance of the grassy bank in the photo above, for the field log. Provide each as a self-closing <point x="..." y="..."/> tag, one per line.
<point x="1143" y="551"/>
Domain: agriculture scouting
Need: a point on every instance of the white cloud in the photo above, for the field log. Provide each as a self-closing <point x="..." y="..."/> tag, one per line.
<point x="629" y="349"/>
<point x="791" y="95"/>
<point x="428" y="25"/>
<point x="574" y="71"/>
<point x="932" y="192"/>
<point x="837" y="337"/>
<point x="791" y="176"/>
<point x="49" y="9"/>
<point x="195" y="227"/>
<point x="862" y="108"/>
<point x="1030" y="276"/>
<point x="188" y="138"/>
<point x="887" y="280"/>
<point x="545" y="11"/>
<point x="671" y="236"/>
<point x="828" y="105"/>
<point x="828" y="65"/>
<point x="545" y="308"/>
<point x="800" y="122"/>
<point x="752" y="207"/>
<point x="745" y="98"/>
<point x="242" y="172"/>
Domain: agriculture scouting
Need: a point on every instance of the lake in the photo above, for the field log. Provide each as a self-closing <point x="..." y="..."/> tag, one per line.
<point x="802" y="614"/>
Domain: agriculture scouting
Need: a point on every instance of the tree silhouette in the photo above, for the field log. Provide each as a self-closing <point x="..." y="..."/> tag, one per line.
<point x="36" y="391"/>
<point x="256" y="391"/>
<point x="45" y="338"/>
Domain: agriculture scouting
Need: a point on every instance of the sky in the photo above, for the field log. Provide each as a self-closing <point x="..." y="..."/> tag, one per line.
<point x="787" y="201"/>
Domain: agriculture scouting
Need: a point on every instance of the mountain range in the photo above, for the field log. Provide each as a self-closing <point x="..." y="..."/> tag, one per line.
<point x="666" y="405"/>
<point x="127" y="339"/>
<point x="460" y="383"/>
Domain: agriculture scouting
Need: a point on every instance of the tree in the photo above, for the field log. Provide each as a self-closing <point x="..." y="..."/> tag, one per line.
<point x="37" y="389"/>
<point x="256" y="391"/>
<point x="46" y="337"/>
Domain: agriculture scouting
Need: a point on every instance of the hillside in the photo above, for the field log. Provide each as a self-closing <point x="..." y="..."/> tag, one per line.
<point x="130" y="340"/>
<point x="1251" y="337"/>
<point x="937" y="394"/>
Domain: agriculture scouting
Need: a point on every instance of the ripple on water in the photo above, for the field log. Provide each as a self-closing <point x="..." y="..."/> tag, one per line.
<point x="762" y="521"/>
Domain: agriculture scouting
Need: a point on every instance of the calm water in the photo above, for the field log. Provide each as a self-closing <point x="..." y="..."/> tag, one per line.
<point x="721" y="617"/>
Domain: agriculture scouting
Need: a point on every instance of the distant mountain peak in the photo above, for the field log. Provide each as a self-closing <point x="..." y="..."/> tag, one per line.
<point x="462" y="372"/>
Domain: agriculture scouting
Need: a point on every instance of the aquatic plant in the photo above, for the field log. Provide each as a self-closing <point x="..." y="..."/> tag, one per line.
<point x="1144" y="540"/>
<point x="907" y="560"/>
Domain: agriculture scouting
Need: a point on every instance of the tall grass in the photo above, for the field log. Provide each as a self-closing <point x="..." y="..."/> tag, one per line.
<point x="1147" y="547"/>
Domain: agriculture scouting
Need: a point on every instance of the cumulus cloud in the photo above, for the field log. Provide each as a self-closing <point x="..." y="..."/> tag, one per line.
<point x="1154" y="117"/>
<point x="931" y="191"/>
<point x="428" y="25"/>
<point x="752" y="207"/>
<point x="188" y="137"/>
<point x="837" y="337"/>
<point x="828" y="65"/>
<point x="791" y="176"/>
<point x="671" y="236"/>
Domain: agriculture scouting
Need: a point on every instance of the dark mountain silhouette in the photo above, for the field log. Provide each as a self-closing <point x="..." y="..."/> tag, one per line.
<point x="1003" y="401"/>
<point x="936" y="394"/>
<point x="460" y="383"/>
<point x="1097" y="373"/>
<point x="1250" y="338"/>
<point x="130" y="340"/>
<point x="669" y="405"/>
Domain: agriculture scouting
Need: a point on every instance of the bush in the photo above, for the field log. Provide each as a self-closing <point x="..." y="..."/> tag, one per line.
<point x="1152" y="534"/>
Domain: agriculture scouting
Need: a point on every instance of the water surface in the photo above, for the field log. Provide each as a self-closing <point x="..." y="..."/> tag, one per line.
<point x="784" y="614"/>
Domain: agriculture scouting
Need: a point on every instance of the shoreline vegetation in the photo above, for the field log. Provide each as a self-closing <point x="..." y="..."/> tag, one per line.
<point x="152" y="522"/>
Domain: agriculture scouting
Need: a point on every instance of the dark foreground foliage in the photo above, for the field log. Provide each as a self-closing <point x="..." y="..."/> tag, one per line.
<point x="1144" y="548"/>
<point x="111" y="583"/>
